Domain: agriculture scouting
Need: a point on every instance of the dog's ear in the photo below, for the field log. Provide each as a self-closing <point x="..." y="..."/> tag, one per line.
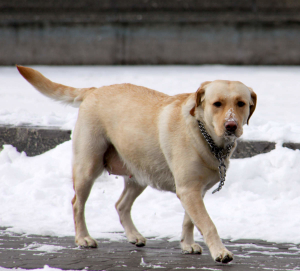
<point x="200" y="93"/>
<point x="252" y="103"/>
<point x="199" y="96"/>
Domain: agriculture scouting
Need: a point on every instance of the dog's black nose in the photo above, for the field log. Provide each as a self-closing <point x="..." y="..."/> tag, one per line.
<point x="230" y="126"/>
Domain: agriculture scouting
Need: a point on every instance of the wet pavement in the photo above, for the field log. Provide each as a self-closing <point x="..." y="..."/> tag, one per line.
<point x="32" y="251"/>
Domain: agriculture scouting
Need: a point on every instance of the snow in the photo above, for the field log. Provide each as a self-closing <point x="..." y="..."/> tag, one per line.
<point x="261" y="196"/>
<point x="276" y="116"/>
<point x="143" y="264"/>
<point x="41" y="247"/>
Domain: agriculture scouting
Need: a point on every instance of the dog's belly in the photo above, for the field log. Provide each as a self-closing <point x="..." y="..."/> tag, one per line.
<point x="157" y="175"/>
<point x="114" y="164"/>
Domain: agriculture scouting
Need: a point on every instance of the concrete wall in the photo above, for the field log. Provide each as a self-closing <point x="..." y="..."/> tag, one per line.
<point x="149" y="32"/>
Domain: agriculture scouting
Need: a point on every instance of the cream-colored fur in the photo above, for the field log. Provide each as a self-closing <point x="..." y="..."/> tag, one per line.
<point x="152" y="139"/>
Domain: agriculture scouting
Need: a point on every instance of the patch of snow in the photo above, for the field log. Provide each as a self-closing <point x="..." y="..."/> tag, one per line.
<point x="42" y="247"/>
<point x="229" y="115"/>
<point x="251" y="246"/>
<point x="154" y="266"/>
<point x="271" y="253"/>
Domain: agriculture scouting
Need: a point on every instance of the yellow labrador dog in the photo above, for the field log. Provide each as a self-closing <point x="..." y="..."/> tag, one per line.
<point x="150" y="138"/>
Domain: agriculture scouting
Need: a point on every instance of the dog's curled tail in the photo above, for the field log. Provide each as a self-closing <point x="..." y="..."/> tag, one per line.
<point x="58" y="92"/>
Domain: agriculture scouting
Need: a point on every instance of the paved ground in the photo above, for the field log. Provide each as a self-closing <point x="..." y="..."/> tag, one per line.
<point x="29" y="252"/>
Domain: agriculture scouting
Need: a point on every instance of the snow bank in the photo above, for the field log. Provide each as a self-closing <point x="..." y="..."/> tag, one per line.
<point x="260" y="199"/>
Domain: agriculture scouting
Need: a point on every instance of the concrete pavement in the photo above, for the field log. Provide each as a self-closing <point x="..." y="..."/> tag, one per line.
<point x="30" y="252"/>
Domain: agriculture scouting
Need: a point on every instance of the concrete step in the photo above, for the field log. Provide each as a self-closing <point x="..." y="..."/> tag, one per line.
<point x="136" y="32"/>
<point x="35" y="140"/>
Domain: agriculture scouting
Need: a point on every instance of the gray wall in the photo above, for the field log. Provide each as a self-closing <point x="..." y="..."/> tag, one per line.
<point x="149" y="32"/>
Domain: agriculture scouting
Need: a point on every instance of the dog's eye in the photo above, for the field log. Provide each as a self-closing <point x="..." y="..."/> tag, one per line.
<point x="240" y="104"/>
<point x="217" y="104"/>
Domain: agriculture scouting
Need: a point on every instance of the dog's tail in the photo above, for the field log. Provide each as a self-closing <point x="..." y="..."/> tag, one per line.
<point x="58" y="92"/>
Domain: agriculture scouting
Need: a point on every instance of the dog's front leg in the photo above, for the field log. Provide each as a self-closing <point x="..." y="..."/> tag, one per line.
<point x="191" y="199"/>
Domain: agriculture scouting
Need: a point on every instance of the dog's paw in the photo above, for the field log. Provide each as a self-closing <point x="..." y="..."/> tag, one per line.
<point x="191" y="249"/>
<point x="86" y="242"/>
<point x="137" y="240"/>
<point x="224" y="256"/>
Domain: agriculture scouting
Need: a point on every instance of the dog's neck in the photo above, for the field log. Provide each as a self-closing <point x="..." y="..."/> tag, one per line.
<point x="219" y="153"/>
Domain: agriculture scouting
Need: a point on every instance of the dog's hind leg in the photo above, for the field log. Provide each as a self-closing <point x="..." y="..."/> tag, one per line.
<point x="88" y="151"/>
<point x="188" y="244"/>
<point x="131" y="191"/>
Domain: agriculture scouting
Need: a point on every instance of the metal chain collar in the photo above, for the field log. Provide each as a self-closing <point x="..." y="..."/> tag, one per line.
<point x="220" y="153"/>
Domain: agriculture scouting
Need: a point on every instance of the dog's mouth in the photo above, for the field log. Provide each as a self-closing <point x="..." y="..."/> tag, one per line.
<point x="228" y="133"/>
<point x="230" y="136"/>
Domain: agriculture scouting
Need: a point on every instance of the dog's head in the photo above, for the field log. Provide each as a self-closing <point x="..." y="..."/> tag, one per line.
<point x="224" y="106"/>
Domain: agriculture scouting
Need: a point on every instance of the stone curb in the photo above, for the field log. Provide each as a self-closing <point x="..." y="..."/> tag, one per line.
<point x="35" y="140"/>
